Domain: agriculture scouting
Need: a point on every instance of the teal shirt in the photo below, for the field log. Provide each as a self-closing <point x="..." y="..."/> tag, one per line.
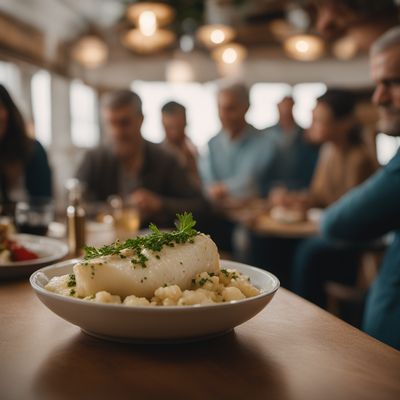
<point x="294" y="161"/>
<point x="368" y="212"/>
<point x="240" y="163"/>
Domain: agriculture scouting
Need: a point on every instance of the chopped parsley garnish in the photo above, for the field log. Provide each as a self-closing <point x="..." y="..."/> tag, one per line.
<point x="72" y="292"/>
<point x="155" y="241"/>
<point x="228" y="274"/>
<point x="71" y="280"/>
<point x="203" y="281"/>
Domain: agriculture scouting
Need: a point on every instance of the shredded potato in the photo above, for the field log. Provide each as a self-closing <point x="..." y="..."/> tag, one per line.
<point x="207" y="288"/>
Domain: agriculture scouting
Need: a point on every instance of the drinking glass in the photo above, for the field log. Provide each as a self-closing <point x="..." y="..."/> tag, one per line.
<point x="126" y="215"/>
<point x="34" y="216"/>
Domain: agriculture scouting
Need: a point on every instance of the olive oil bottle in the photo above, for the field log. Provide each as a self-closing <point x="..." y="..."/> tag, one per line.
<point x="76" y="217"/>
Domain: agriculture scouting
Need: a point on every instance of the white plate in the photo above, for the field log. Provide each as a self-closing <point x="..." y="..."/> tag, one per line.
<point x="49" y="251"/>
<point x="155" y="323"/>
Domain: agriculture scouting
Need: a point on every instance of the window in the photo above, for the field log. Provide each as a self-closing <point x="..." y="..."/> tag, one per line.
<point x="264" y="98"/>
<point x="41" y="106"/>
<point x="85" y="130"/>
<point x="201" y="106"/>
<point x="199" y="100"/>
<point x="305" y="96"/>
<point x="10" y="78"/>
<point x="386" y="147"/>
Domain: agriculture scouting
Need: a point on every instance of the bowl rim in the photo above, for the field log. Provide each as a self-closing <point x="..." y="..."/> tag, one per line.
<point x="73" y="300"/>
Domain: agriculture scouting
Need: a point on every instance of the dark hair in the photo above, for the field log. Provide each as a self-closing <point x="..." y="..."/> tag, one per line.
<point x="15" y="144"/>
<point x="122" y="98"/>
<point x="172" y="107"/>
<point x="342" y="104"/>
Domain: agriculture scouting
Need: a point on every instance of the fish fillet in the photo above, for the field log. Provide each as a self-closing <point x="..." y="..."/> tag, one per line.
<point x="172" y="266"/>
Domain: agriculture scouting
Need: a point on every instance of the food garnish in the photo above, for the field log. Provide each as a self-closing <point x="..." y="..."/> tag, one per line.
<point x="155" y="241"/>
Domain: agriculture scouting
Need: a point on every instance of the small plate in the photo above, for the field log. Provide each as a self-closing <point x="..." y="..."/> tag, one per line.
<point x="49" y="251"/>
<point x="155" y="323"/>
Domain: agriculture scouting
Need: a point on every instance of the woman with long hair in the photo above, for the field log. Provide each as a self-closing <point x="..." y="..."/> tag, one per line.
<point x="344" y="161"/>
<point x="24" y="169"/>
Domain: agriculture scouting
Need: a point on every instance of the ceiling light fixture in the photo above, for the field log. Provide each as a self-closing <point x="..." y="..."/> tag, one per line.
<point x="282" y="29"/>
<point x="215" y="35"/>
<point x="231" y="53"/>
<point x="90" y="51"/>
<point x="147" y="23"/>
<point x="345" y="48"/>
<point x="135" y="40"/>
<point x="164" y="14"/>
<point x="179" y="71"/>
<point x="304" y="47"/>
<point x="148" y="37"/>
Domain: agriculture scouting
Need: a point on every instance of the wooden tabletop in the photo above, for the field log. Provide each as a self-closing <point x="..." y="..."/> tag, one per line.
<point x="267" y="226"/>
<point x="254" y="214"/>
<point x="292" y="350"/>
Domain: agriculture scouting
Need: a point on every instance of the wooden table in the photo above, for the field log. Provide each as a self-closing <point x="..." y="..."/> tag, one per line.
<point x="292" y="350"/>
<point x="254" y="215"/>
<point x="264" y="225"/>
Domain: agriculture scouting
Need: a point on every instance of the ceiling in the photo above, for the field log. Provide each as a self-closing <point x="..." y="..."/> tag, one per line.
<point x="71" y="18"/>
<point x="64" y="21"/>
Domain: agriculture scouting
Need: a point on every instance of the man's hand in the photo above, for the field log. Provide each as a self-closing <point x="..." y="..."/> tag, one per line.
<point x="217" y="191"/>
<point x="146" y="201"/>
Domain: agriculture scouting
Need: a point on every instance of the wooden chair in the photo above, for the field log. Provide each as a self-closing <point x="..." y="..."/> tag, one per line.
<point x="347" y="302"/>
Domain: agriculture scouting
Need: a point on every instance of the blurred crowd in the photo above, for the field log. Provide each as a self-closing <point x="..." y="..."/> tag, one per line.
<point x="328" y="166"/>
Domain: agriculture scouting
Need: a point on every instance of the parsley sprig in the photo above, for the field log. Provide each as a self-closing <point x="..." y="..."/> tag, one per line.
<point x="155" y="241"/>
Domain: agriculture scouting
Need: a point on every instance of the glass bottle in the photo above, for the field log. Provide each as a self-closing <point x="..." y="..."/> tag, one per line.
<point x="76" y="217"/>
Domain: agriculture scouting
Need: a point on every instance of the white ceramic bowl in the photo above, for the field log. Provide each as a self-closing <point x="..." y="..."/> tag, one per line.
<point x="49" y="251"/>
<point x="155" y="323"/>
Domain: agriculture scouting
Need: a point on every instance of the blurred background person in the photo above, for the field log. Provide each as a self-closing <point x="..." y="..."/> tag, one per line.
<point x="344" y="162"/>
<point x="239" y="154"/>
<point x="237" y="158"/>
<point x="372" y="209"/>
<point x="24" y="168"/>
<point x="296" y="156"/>
<point x="361" y="20"/>
<point x="176" y="141"/>
<point x="141" y="172"/>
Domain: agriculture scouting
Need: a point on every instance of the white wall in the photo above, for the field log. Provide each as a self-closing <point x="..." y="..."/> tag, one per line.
<point x="260" y="67"/>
